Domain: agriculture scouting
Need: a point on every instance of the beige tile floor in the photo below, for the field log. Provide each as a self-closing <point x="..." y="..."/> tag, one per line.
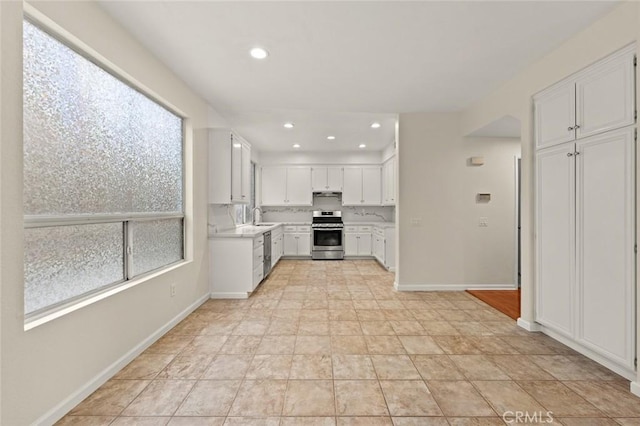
<point x="331" y="343"/>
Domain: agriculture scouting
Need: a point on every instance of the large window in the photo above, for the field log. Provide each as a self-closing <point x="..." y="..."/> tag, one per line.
<point x="103" y="178"/>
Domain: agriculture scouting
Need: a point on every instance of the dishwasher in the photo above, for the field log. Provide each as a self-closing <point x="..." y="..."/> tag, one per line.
<point x="267" y="253"/>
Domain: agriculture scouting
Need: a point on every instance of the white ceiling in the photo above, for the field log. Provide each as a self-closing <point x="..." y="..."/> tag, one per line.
<point x="335" y="67"/>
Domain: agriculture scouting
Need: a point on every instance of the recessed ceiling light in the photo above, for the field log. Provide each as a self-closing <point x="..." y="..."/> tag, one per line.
<point x="259" y="53"/>
<point x="296" y="146"/>
<point x="375" y="125"/>
<point x="288" y="125"/>
<point x="237" y="145"/>
<point x="362" y="145"/>
<point x="331" y="137"/>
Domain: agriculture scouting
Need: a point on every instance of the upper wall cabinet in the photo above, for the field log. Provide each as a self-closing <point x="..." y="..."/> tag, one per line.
<point x="362" y="186"/>
<point x="229" y="168"/>
<point x="389" y="182"/>
<point x="326" y="178"/>
<point x="597" y="99"/>
<point x="286" y="186"/>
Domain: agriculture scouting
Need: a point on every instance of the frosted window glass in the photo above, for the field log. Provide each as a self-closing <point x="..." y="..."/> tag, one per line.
<point x="66" y="261"/>
<point x="155" y="243"/>
<point x="93" y="144"/>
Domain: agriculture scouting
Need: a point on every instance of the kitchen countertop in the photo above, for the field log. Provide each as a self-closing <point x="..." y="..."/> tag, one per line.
<point x="250" y="231"/>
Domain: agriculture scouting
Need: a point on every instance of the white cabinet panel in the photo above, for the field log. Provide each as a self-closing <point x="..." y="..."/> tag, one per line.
<point x="605" y="198"/>
<point x="334" y="179"/>
<point x="236" y="171"/>
<point x="290" y="244"/>
<point x="605" y="96"/>
<point x="362" y="186"/>
<point x="350" y="244"/>
<point x="555" y="115"/>
<point x="372" y="186"/>
<point x="229" y="168"/>
<point x="299" y="186"/>
<point x="555" y="224"/>
<point x="304" y="244"/>
<point x="245" y="167"/>
<point x="389" y="182"/>
<point x="326" y="179"/>
<point x="364" y="244"/>
<point x="352" y="186"/>
<point x="274" y="186"/>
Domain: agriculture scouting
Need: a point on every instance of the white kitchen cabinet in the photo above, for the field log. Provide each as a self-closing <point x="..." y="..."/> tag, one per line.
<point x="297" y="240"/>
<point x="229" y="168"/>
<point x="389" y="182"/>
<point x="326" y="178"/>
<point x="277" y="245"/>
<point x="357" y="241"/>
<point x="585" y="211"/>
<point x="236" y="266"/>
<point x="286" y="186"/>
<point x="383" y="244"/>
<point x="362" y="186"/>
<point x="597" y="99"/>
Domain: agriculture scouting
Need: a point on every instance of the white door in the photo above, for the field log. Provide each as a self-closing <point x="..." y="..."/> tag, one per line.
<point x="304" y="244"/>
<point x="605" y="97"/>
<point x="372" y="186"/>
<point x="319" y="179"/>
<point x="236" y="171"/>
<point x="246" y="174"/>
<point x="605" y="240"/>
<point x="299" y="191"/>
<point x="364" y="244"/>
<point x="290" y="244"/>
<point x="334" y="179"/>
<point x="352" y="186"/>
<point x="351" y="244"/>
<point x="555" y="238"/>
<point x="274" y="186"/>
<point x="555" y="115"/>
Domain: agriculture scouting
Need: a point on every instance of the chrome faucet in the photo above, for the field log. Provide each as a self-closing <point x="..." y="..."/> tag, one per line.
<point x="253" y="215"/>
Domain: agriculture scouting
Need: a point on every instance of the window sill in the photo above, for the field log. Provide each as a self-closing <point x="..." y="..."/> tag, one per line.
<point x="50" y="316"/>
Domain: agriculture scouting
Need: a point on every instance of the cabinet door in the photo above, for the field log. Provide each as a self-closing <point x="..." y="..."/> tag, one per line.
<point x="245" y="193"/>
<point x="274" y="186"/>
<point x="605" y="96"/>
<point x="299" y="191"/>
<point x="364" y="244"/>
<point x="236" y="172"/>
<point x="605" y="240"/>
<point x="388" y="183"/>
<point x="351" y="244"/>
<point x="319" y="179"/>
<point x="304" y="244"/>
<point x="334" y="179"/>
<point x="372" y="186"/>
<point x="555" y="115"/>
<point x="555" y="238"/>
<point x="352" y="186"/>
<point x="290" y="244"/>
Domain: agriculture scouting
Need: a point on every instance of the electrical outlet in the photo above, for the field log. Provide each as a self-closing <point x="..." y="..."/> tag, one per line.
<point x="172" y="290"/>
<point x="483" y="222"/>
<point x="416" y="222"/>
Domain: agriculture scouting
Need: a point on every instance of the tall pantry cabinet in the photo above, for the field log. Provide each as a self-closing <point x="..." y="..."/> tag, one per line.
<point x="585" y="210"/>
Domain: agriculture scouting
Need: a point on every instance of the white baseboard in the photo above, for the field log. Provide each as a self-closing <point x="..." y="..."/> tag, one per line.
<point x="57" y="412"/>
<point x="529" y="326"/>
<point x="229" y="295"/>
<point x="392" y="269"/>
<point x="453" y="287"/>
<point x="635" y="388"/>
<point x="616" y="368"/>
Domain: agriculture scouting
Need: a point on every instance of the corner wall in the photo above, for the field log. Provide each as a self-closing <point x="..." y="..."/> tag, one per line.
<point x="447" y="249"/>
<point x="45" y="370"/>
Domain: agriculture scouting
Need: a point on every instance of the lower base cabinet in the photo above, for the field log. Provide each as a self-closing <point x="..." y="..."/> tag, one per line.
<point x="357" y="240"/>
<point x="297" y="240"/>
<point x="236" y="266"/>
<point x="384" y="246"/>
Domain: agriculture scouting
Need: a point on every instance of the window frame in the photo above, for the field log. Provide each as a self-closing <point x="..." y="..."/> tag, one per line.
<point x="53" y="311"/>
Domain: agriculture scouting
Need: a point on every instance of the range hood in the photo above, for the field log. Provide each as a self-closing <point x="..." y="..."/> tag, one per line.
<point x="327" y="194"/>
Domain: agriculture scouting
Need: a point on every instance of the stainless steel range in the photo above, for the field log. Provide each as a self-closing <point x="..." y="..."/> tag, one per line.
<point x="327" y="235"/>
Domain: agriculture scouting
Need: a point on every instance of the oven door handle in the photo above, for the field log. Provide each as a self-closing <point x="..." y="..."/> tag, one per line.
<point x="327" y="229"/>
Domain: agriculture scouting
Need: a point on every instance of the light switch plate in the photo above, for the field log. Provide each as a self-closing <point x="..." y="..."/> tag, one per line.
<point x="416" y="222"/>
<point x="483" y="222"/>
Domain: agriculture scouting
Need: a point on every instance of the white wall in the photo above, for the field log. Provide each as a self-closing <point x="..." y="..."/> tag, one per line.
<point x="46" y="366"/>
<point x="617" y="29"/>
<point x="438" y="187"/>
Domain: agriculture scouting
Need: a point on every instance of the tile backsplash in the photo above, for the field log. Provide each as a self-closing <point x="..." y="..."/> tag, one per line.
<point x="349" y="213"/>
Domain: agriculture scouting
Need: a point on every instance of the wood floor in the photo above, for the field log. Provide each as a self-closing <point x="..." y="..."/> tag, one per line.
<point x="506" y="301"/>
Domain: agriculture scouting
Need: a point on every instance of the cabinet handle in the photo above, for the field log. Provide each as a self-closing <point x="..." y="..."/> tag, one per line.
<point x="569" y="154"/>
<point x="576" y="153"/>
<point x="577" y="126"/>
<point x="570" y="128"/>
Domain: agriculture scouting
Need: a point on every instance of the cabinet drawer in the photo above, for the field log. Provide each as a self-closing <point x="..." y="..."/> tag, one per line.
<point x="258" y="256"/>
<point x="350" y="228"/>
<point x="258" y="275"/>
<point x="258" y="241"/>
<point x="304" y="228"/>
<point x="290" y="228"/>
<point x="364" y="228"/>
